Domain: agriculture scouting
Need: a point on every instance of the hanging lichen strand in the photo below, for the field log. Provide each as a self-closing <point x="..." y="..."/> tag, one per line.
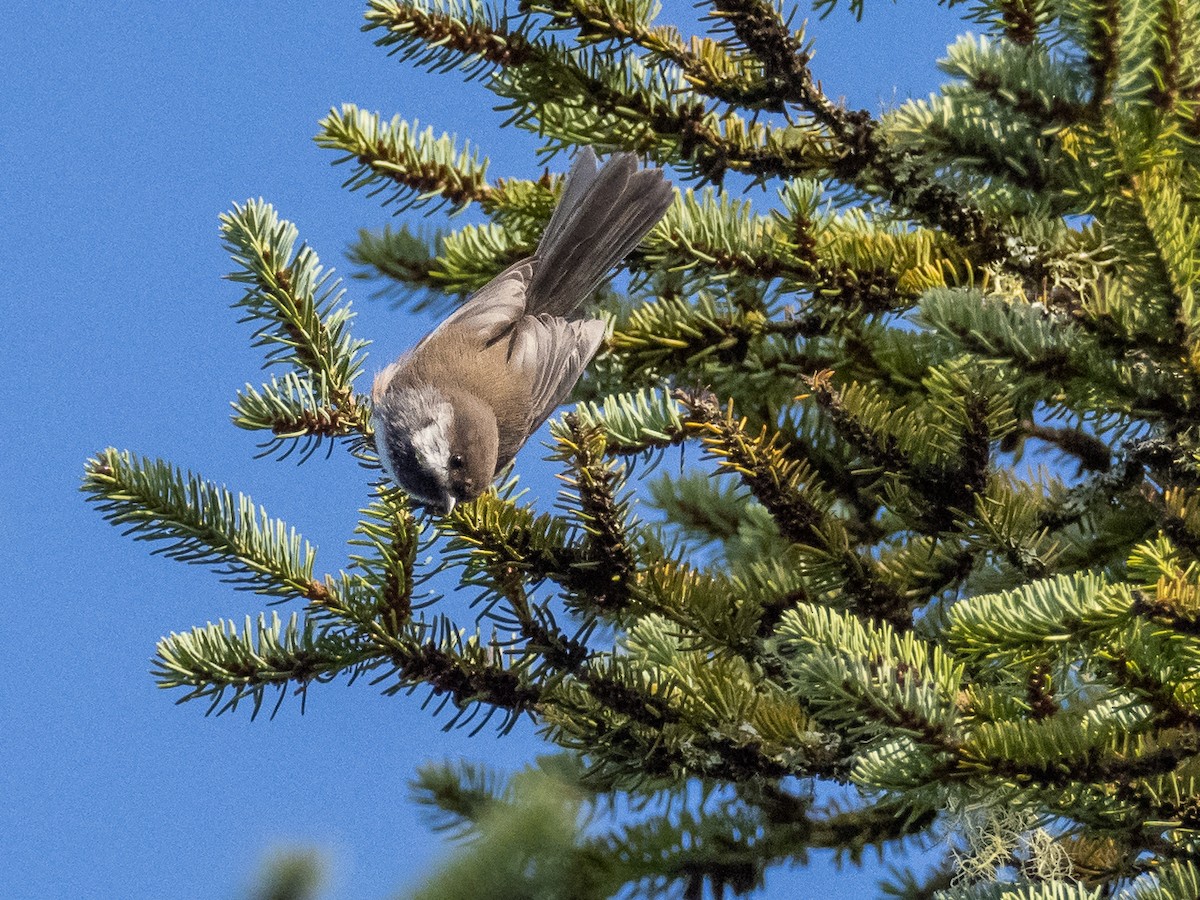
<point x="926" y="557"/>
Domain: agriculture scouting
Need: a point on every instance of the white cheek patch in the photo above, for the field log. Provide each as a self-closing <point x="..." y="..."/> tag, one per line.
<point x="431" y="443"/>
<point x="412" y="436"/>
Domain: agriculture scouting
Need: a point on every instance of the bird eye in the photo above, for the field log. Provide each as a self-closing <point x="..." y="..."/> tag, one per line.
<point x="456" y="461"/>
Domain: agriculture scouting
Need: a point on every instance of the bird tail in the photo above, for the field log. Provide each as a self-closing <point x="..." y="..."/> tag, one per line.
<point x="601" y="216"/>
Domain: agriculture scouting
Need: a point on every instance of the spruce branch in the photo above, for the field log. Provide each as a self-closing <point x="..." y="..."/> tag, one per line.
<point x="303" y="323"/>
<point x="197" y="522"/>
<point x="717" y="236"/>
<point x="409" y="167"/>
<point x="475" y="254"/>
<point x="1093" y="454"/>
<point x="301" y="318"/>
<point x="800" y="506"/>
<point x="390" y="537"/>
<point x="216" y="660"/>
<point x="707" y="604"/>
<point x="617" y="109"/>
<point x="647" y="737"/>
<point x="461" y="669"/>
<point x="785" y="487"/>
<point x="636" y="423"/>
<point x="850" y="260"/>
<point x="1046" y="92"/>
<point x="588" y="96"/>
<point x="1035" y="619"/>
<point x="471" y="35"/>
<point x="1175" y="46"/>
<point x="853" y="830"/>
<point x="505" y="549"/>
<point x="404" y="264"/>
<point x="759" y="26"/>
<point x="1171" y="256"/>
<point x="581" y="96"/>
<point x="495" y="533"/>
<point x="715" y="510"/>
<point x="863" y="157"/>
<point x="527" y="836"/>
<point x="1030" y="337"/>
<point x="1176" y="879"/>
<point x="604" y="515"/>
<point x="293" y="411"/>
<point x="470" y="685"/>
<point x="696" y="851"/>
<point x="1057" y="753"/>
<point x="870" y="678"/>
<point x="1153" y="665"/>
<point x="738" y="844"/>
<point x="707" y="65"/>
<point x="1019" y="21"/>
<point x="458" y="794"/>
<point x="945" y="463"/>
<point x="677" y="336"/>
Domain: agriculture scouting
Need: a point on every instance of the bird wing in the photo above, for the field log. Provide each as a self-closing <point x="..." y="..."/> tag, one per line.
<point x="492" y="310"/>
<point x="552" y="352"/>
<point x="491" y="313"/>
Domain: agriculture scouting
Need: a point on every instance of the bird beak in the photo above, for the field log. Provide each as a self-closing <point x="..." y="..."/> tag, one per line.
<point x="448" y="504"/>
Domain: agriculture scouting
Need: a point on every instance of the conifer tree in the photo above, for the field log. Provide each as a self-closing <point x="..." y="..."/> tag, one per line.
<point x="930" y="568"/>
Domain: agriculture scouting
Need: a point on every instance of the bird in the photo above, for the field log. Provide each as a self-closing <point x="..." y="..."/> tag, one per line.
<point x="449" y="415"/>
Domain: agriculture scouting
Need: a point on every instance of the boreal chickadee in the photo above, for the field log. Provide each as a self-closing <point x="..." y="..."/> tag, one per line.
<point x="452" y="413"/>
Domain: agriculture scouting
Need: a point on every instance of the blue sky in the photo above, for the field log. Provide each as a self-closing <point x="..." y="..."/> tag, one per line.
<point x="127" y="129"/>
